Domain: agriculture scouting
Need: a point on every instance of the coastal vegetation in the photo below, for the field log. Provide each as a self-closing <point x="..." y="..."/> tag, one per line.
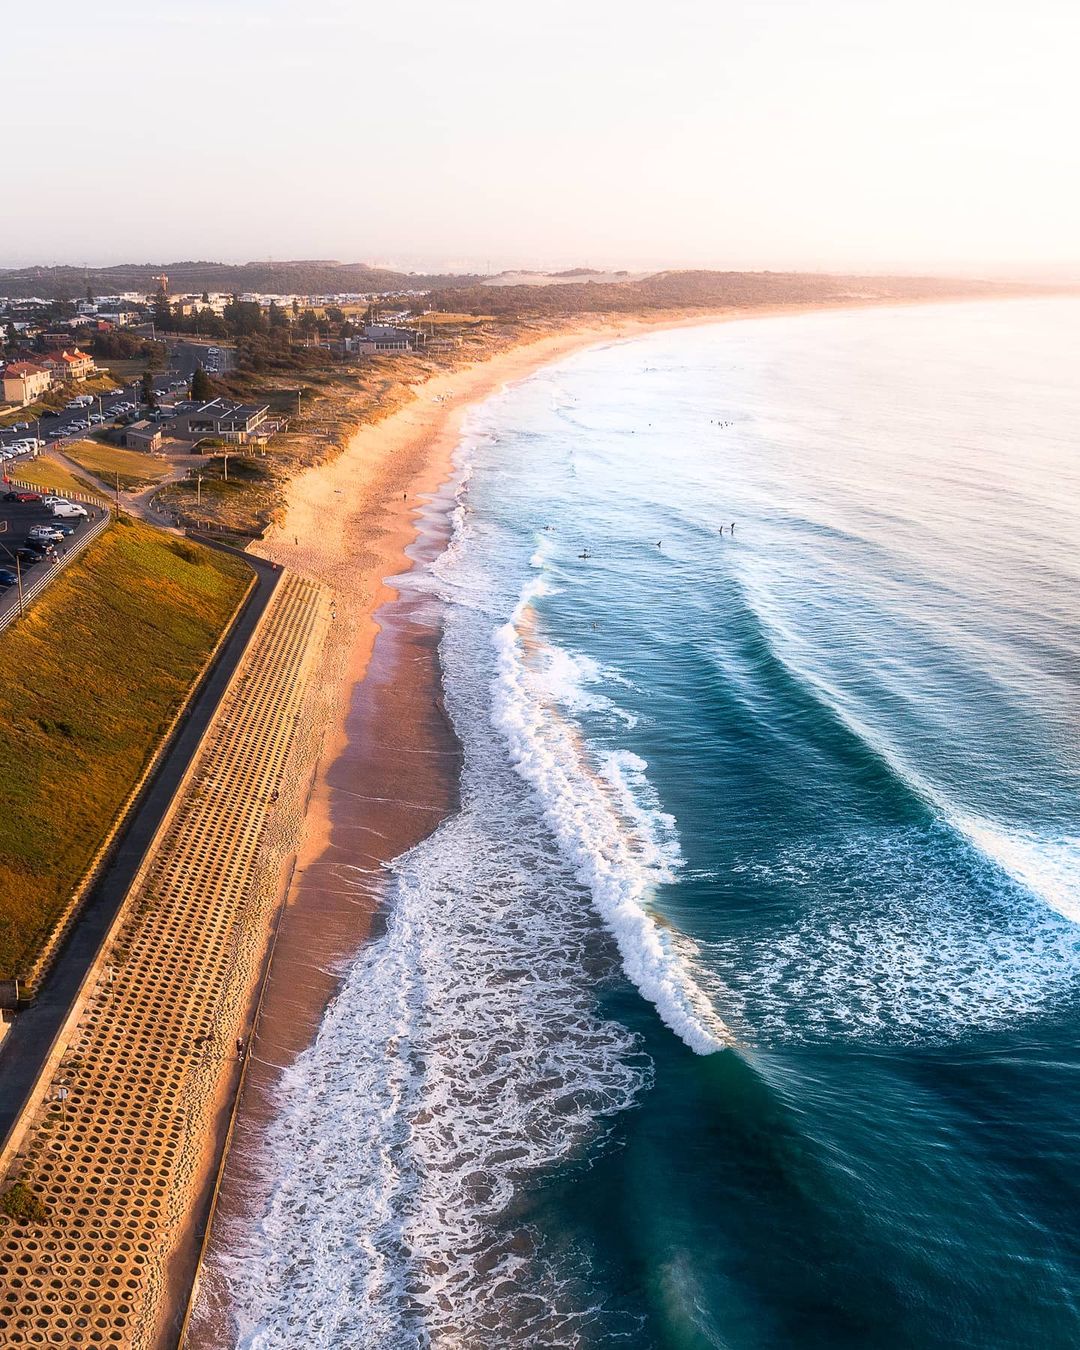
<point x="22" y="1205"/>
<point x="89" y="682"/>
<point x="47" y="472"/>
<point x="112" y="464"/>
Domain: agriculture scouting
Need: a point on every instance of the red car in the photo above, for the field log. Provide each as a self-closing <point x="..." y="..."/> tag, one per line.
<point x="22" y="496"/>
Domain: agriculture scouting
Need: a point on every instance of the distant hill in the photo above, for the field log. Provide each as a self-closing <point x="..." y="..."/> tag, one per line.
<point x="713" y="290"/>
<point x="576" y="292"/>
<point x="305" y="277"/>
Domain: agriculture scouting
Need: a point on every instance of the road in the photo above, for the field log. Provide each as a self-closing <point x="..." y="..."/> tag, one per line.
<point x="185" y="355"/>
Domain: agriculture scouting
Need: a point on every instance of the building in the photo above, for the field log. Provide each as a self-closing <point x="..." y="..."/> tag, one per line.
<point x="76" y="365"/>
<point x="120" y="317"/>
<point x="67" y="366"/>
<point x="24" y="382"/>
<point x="359" y="346"/>
<point x="387" y="338"/>
<point x="235" y="423"/>
<point x="143" y="436"/>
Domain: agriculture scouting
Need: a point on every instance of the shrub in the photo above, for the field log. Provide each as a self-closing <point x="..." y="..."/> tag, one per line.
<point x="21" y="1204"/>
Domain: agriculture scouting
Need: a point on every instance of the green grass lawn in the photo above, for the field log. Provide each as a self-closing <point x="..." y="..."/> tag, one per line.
<point x="89" y="681"/>
<point x="46" y="472"/>
<point x="108" y="462"/>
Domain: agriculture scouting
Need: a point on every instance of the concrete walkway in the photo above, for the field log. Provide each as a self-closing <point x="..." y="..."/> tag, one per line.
<point x="25" y="1049"/>
<point x="118" y="1149"/>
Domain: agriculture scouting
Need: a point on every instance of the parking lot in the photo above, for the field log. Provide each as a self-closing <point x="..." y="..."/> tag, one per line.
<point x="18" y="523"/>
<point x="74" y="423"/>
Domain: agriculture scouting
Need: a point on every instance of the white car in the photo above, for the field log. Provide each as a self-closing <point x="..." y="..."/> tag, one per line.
<point x="69" y="511"/>
<point x="51" y="499"/>
<point x="47" y="533"/>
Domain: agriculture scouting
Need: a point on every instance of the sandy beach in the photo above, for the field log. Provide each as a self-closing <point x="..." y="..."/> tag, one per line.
<point x="379" y="758"/>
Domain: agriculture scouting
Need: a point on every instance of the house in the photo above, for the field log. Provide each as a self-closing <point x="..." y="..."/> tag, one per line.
<point x="76" y="365"/>
<point x="66" y="366"/>
<point x="387" y="338"/>
<point x="237" y="423"/>
<point x="121" y="316"/>
<point x="24" y="382"/>
<point x="143" y="436"/>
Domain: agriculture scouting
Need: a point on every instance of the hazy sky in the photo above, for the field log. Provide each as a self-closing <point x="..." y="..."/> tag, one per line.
<point x="463" y="133"/>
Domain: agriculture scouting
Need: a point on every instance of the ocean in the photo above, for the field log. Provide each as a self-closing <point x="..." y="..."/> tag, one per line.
<point x="736" y="1005"/>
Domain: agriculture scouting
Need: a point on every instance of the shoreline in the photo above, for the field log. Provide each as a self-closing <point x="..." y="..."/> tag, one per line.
<point x="382" y="762"/>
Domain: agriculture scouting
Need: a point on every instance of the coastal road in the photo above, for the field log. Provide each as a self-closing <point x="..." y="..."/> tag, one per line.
<point x="185" y="355"/>
<point x="25" y="1050"/>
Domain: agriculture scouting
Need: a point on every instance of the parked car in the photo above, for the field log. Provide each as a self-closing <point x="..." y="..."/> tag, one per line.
<point x="28" y="556"/>
<point x="48" y="533"/>
<point x="22" y="496"/>
<point x="7" y="577"/>
<point x="61" y="527"/>
<point x="69" y="511"/>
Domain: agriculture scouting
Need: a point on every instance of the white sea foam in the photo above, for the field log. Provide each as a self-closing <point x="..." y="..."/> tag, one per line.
<point x="1044" y="864"/>
<point x="1048" y="867"/>
<point x="621" y="849"/>
<point x="461" y="1058"/>
<point x="893" y="936"/>
<point x="462" y="1061"/>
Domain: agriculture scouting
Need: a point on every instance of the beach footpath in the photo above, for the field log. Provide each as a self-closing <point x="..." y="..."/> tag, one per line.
<point x="107" y="1194"/>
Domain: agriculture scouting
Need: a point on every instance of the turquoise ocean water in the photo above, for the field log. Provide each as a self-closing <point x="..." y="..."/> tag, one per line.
<point x="737" y="1005"/>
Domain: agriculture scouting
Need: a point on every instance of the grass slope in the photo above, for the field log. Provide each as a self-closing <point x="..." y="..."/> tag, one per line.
<point x="45" y="472"/>
<point x="89" y="681"/>
<point x="108" y="462"/>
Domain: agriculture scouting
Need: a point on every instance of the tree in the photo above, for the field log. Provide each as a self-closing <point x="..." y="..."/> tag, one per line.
<point x="146" y="389"/>
<point x="201" y="387"/>
<point x="206" y="297"/>
<point x="162" y="313"/>
<point x="89" y="293"/>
